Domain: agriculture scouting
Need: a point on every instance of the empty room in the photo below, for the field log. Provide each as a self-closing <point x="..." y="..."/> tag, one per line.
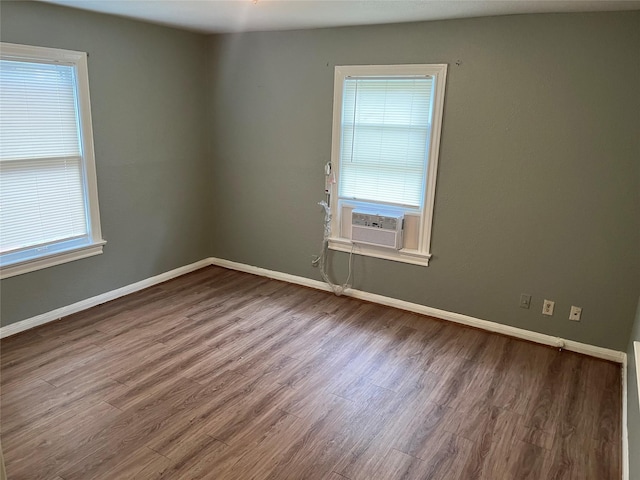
<point x="319" y="240"/>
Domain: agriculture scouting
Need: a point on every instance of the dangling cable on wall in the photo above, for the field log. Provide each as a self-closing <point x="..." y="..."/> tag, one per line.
<point x="321" y="260"/>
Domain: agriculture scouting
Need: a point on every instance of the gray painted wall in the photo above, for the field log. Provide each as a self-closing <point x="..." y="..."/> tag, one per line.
<point x="633" y="404"/>
<point x="538" y="182"/>
<point x="538" y="188"/>
<point x="147" y="85"/>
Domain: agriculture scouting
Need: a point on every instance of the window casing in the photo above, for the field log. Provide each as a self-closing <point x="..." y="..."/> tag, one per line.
<point x="48" y="193"/>
<point x="386" y="137"/>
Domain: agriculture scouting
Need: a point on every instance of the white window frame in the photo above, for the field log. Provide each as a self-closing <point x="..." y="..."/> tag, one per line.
<point x="636" y="348"/>
<point x="64" y="251"/>
<point x="422" y="254"/>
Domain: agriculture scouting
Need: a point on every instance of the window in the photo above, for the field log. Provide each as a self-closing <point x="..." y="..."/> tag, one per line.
<point x="386" y="136"/>
<point x="48" y="194"/>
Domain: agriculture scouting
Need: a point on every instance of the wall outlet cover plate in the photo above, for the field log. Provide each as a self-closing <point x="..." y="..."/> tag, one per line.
<point x="525" y="300"/>
<point x="575" y="313"/>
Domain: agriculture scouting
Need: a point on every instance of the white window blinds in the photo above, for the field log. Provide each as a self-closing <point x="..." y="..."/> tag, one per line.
<point x="42" y="197"/>
<point x="386" y="126"/>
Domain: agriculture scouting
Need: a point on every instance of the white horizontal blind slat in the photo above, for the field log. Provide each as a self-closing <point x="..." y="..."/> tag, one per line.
<point x="386" y="126"/>
<point x="41" y="175"/>
<point x="38" y="114"/>
<point x="41" y="201"/>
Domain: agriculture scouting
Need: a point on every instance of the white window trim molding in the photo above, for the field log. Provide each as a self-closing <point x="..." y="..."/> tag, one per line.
<point x="12" y="51"/>
<point x="636" y="348"/>
<point x="405" y="255"/>
<point x="51" y="260"/>
<point x="422" y="255"/>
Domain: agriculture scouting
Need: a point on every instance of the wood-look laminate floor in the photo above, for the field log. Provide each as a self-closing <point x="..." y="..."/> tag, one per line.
<point x="224" y="375"/>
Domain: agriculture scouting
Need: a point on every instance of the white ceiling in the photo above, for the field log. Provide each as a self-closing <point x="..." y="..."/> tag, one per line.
<point x="218" y="16"/>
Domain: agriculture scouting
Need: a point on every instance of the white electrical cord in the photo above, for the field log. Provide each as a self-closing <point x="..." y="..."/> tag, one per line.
<point x="320" y="261"/>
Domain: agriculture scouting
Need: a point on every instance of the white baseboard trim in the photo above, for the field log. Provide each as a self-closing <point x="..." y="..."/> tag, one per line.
<point x="58" y="313"/>
<point x="263" y="272"/>
<point x="591" y="350"/>
<point x="542" y="338"/>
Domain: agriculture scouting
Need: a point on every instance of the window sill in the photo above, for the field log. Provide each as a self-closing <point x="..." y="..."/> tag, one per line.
<point x="412" y="257"/>
<point x="50" y="260"/>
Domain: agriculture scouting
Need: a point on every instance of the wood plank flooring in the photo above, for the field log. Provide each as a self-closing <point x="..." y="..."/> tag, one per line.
<point x="224" y="375"/>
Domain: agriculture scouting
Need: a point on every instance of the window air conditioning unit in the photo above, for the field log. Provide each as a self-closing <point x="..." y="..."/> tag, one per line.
<point x="378" y="230"/>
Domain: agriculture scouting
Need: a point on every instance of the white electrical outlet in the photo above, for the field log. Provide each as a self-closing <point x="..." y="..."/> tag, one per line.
<point x="547" y="307"/>
<point x="575" y="313"/>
